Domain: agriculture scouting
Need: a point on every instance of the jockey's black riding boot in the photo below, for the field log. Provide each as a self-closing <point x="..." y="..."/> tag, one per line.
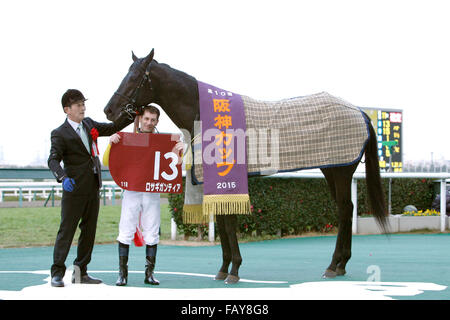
<point x="150" y="260"/>
<point x="123" y="264"/>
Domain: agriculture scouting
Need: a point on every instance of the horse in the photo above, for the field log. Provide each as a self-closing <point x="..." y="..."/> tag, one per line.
<point x="176" y="92"/>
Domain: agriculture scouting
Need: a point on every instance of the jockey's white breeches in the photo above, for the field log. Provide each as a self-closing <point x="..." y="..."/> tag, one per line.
<point x="143" y="206"/>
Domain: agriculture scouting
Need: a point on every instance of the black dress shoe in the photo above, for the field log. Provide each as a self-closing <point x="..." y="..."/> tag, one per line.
<point x="86" y="279"/>
<point x="57" y="281"/>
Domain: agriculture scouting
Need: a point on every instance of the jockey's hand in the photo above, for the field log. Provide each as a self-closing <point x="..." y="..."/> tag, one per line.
<point x="178" y="149"/>
<point x="115" y="138"/>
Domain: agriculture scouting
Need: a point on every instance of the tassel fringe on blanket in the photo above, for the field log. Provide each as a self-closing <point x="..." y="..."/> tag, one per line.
<point x="226" y="204"/>
<point x="193" y="214"/>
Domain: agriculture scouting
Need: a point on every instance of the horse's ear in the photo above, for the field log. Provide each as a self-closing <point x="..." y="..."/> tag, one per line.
<point x="149" y="58"/>
<point x="133" y="56"/>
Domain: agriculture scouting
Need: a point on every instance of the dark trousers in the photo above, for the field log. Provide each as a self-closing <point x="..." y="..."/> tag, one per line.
<point x="76" y="208"/>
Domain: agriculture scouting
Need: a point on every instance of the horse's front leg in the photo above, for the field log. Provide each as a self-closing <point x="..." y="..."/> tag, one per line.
<point x="236" y="259"/>
<point x="226" y="250"/>
<point x="227" y="225"/>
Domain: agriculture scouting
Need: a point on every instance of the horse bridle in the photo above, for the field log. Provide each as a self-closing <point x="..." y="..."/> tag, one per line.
<point x="130" y="108"/>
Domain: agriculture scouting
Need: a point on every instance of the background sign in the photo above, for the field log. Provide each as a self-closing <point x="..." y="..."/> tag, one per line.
<point x="388" y="126"/>
<point x="146" y="162"/>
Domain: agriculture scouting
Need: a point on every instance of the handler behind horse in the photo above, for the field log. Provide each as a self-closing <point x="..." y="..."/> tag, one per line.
<point x="144" y="206"/>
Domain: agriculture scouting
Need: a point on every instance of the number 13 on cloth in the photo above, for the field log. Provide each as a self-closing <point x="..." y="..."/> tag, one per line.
<point x="146" y="162"/>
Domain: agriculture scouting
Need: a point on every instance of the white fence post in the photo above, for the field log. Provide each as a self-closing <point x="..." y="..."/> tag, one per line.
<point x="173" y="229"/>
<point x="443" y="204"/>
<point x="211" y="228"/>
<point x="355" y="206"/>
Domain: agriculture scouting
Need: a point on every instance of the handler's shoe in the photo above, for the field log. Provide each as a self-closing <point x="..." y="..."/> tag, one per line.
<point x="86" y="279"/>
<point x="149" y="267"/>
<point x="57" y="281"/>
<point x="123" y="272"/>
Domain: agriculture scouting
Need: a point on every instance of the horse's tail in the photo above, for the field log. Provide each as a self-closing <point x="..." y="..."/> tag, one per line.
<point x="373" y="181"/>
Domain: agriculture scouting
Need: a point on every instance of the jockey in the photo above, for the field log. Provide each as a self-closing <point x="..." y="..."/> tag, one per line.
<point x="139" y="207"/>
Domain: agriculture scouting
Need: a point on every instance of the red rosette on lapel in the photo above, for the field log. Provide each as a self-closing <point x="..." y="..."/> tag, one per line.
<point x="94" y="135"/>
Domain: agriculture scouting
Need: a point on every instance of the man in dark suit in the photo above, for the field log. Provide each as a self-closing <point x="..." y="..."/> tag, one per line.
<point x="72" y="143"/>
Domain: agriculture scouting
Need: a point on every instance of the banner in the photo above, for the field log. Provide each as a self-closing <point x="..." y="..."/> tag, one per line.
<point x="223" y="151"/>
<point x="146" y="162"/>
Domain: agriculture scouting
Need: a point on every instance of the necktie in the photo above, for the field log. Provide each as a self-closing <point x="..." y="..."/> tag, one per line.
<point x="83" y="137"/>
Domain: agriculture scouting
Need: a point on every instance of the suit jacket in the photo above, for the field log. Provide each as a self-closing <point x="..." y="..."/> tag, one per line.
<point x="67" y="146"/>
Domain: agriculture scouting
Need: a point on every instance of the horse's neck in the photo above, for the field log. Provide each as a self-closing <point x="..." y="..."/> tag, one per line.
<point x="177" y="94"/>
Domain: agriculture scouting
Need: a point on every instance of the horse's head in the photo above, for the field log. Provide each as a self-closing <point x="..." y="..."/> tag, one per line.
<point x="135" y="89"/>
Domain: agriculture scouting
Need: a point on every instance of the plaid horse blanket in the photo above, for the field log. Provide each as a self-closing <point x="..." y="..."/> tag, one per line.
<point x="314" y="131"/>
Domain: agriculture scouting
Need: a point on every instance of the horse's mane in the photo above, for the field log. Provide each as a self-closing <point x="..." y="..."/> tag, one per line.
<point x="177" y="93"/>
<point x="174" y="77"/>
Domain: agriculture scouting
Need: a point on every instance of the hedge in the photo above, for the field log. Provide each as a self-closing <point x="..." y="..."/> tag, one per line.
<point x="291" y="206"/>
<point x="417" y="192"/>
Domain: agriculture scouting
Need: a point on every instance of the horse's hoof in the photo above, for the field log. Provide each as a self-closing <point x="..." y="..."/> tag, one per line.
<point x="329" y="274"/>
<point x="231" y="279"/>
<point x="221" y="276"/>
<point x="340" y="272"/>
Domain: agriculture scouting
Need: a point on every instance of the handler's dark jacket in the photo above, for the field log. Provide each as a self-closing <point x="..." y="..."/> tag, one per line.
<point x="67" y="146"/>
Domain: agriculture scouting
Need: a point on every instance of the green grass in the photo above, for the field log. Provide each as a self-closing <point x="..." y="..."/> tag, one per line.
<point x="25" y="227"/>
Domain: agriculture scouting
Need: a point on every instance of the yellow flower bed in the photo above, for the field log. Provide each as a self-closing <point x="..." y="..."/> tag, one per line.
<point x="421" y="213"/>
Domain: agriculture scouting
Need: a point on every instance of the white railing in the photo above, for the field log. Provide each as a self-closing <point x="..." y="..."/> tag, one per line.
<point x="33" y="190"/>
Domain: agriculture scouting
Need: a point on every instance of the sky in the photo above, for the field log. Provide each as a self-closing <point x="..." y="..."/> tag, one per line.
<point x="376" y="54"/>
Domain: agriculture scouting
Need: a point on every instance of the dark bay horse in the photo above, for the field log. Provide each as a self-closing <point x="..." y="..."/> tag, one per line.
<point x="148" y="81"/>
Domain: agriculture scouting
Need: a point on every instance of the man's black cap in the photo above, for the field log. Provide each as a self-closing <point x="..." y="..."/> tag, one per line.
<point x="71" y="96"/>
